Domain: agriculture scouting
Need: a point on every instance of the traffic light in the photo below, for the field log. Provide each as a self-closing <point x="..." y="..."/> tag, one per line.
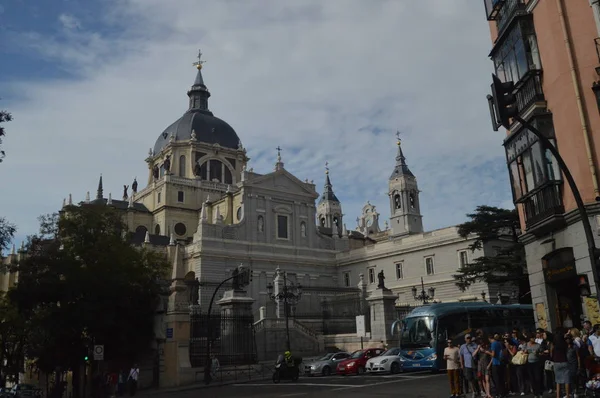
<point x="584" y="286"/>
<point x="504" y="101"/>
<point x="86" y="358"/>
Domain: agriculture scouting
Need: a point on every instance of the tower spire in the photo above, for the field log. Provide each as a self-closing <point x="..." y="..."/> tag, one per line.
<point x="328" y="188"/>
<point x="329" y="208"/>
<point x="199" y="94"/>
<point x="401" y="168"/>
<point x="279" y="164"/>
<point x="100" y="192"/>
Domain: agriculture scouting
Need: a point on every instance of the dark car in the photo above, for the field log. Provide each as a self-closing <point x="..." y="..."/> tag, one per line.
<point x="25" y="390"/>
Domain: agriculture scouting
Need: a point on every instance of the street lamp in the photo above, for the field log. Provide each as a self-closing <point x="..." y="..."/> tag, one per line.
<point x="423" y="296"/>
<point x="291" y="294"/>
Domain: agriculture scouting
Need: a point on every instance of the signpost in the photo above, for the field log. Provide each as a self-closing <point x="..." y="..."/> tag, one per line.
<point x="98" y="353"/>
<point x="361" y="330"/>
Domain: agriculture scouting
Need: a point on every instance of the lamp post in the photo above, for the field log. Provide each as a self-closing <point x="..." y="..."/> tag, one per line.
<point x="291" y="294"/>
<point x="423" y="296"/>
<point x="241" y="278"/>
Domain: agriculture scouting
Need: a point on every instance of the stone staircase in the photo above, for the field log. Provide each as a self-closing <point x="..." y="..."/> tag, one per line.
<point x="271" y="338"/>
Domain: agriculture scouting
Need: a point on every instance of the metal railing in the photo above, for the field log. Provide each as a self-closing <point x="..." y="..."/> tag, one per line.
<point x="543" y="203"/>
<point x="529" y="91"/>
<point x="509" y="10"/>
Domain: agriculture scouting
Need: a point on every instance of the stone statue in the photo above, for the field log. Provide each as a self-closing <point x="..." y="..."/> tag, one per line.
<point x="155" y="172"/>
<point x="381" y="284"/>
<point x="197" y="170"/>
<point x="194" y="287"/>
<point x="125" y="195"/>
<point x="167" y="164"/>
<point x="134" y="186"/>
<point x="235" y="282"/>
<point x="261" y="224"/>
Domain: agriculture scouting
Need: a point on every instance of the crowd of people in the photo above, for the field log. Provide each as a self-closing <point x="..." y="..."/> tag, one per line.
<point x="524" y="362"/>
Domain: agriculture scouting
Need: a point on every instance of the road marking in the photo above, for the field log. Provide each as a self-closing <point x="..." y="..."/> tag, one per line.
<point x="384" y="382"/>
<point x="294" y="395"/>
<point x="294" y="385"/>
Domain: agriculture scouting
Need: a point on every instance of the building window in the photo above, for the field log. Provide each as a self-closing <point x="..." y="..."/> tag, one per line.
<point x="239" y="213"/>
<point x="260" y="224"/>
<point x="518" y="53"/>
<point x="182" y="166"/>
<point x="158" y="197"/>
<point x="180" y="196"/>
<point x="141" y="230"/>
<point x="429" y="265"/>
<point x="400" y="270"/>
<point x="347" y="279"/>
<point x="282" y="227"/>
<point x="463" y="260"/>
<point x="412" y="201"/>
<point x="371" y="275"/>
<point x="157" y="230"/>
<point x="397" y="201"/>
<point x="180" y="229"/>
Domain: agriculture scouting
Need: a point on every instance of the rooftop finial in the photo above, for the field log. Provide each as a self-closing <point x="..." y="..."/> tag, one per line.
<point x="398" y="137"/>
<point x="198" y="64"/>
<point x="326" y="167"/>
<point x="100" y="191"/>
<point x="279" y="164"/>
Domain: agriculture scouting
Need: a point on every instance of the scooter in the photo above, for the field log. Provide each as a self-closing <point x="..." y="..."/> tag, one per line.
<point x="287" y="373"/>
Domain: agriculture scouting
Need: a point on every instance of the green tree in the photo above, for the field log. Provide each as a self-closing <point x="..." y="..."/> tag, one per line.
<point x="83" y="283"/>
<point x="4" y="117"/>
<point x="13" y="337"/>
<point x="506" y="265"/>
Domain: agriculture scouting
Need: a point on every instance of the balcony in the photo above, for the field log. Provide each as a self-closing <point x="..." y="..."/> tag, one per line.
<point x="529" y="91"/>
<point x="508" y="12"/>
<point x="492" y="8"/>
<point x="543" y="207"/>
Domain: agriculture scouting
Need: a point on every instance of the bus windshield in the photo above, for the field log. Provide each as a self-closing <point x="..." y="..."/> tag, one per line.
<point x="417" y="332"/>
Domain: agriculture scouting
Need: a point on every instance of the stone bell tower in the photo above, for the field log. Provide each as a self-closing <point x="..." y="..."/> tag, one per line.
<point x="329" y="208"/>
<point x="405" y="210"/>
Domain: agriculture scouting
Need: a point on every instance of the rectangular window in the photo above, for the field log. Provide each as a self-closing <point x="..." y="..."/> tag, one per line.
<point x="158" y="198"/>
<point x="518" y="53"/>
<point x="347" y="279"/>
<point x="371" y="275"/>
<point x="429" y="265"/>
<point x="399" y="270"/>
<point x="180" y="196"/>
<point x="515" y="179"/>
<point x="463" y="260"/>
<point x="282" y="227"/>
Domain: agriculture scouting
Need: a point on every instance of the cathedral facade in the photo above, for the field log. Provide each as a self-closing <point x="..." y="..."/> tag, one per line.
<point x="210" y="213"/>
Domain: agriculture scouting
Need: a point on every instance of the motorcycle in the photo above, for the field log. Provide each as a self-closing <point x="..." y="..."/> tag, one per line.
<point x="286" y="373"/>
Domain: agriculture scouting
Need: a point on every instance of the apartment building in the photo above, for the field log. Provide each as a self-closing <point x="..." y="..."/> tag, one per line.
<point x="550" y="50"/>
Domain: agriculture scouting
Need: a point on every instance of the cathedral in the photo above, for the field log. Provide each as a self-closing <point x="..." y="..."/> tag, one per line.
<point x="209" y="213"/>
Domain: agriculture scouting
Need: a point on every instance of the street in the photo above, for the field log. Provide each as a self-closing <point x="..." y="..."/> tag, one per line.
<point x="411" y="385"/>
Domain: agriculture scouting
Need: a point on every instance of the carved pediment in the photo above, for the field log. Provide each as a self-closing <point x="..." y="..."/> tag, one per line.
<point x="283" y="181"/>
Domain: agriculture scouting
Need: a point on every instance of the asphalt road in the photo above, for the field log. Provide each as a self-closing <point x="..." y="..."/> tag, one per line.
<point x="407" y="385"/>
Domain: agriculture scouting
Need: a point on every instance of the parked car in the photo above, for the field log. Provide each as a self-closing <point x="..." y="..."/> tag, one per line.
<point x="325" y="365"/>
<point x="357" y="362"/>
<point x="388" y="362"/>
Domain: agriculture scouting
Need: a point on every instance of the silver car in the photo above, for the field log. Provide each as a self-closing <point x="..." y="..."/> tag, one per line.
<point x="324" y="366"/>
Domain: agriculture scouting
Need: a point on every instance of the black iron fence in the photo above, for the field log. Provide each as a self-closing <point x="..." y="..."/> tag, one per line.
<point x="543" y="203"/>
<point x="529" y="91"/>
<point x="231" y="339"/>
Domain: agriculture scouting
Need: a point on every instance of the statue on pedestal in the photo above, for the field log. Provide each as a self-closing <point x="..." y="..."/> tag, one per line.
<point x="381" y="284"/>
<point x="167" y="164"/>
<point x="134" y="186"/>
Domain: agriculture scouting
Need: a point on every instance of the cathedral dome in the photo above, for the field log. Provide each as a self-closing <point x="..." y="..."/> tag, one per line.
<point x="208" y="128"/>
<point x="198" y="123"/>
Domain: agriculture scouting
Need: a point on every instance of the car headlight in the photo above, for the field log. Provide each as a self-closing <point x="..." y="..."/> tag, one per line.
<point x="432" y="357"/>
<point x="384" y="361"/>
<point x="315" y="367"/>
<point x="401" y="359"/>
<point x="351" y="364"/>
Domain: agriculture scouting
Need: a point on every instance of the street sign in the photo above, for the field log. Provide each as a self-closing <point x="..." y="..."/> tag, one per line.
<point x="169" y="333"/>
<point x="361" y="330"/>
<point x="98" y="353"/>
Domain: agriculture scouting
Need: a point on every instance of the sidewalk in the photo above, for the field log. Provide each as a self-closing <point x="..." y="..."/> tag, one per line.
<point x="225" y="377"/>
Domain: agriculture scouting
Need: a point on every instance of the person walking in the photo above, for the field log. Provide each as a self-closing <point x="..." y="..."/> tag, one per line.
<point x="134" y="374"/>
<point x="561" y="364"/>
<point x="498" y="367"/>
<point x="452" y="357"/>
<point x="535" y="367"/>
<point x="468" y="363"/>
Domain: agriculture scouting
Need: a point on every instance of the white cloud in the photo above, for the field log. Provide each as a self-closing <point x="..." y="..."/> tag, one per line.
<point x="69" y="21"/>
<point x="318" y="78"/>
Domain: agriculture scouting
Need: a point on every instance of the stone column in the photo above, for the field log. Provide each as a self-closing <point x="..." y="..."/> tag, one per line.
<point x="237" y="336"/>
<point x="382" y="304"/>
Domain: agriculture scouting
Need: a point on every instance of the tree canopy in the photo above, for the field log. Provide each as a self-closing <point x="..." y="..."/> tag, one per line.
<point x="82" y="283"/>
<point x="502" y="264"/>
<point x="4" y="117"/>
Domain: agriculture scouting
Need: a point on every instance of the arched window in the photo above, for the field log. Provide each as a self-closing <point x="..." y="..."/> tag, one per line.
<point x="413" y="203"/>
<point x="182" y="166"/>
<point x="322" y="221"/>
<point x="141" y="230"/>
<point x="157" y="230"/>
<point x="397" y="201"/>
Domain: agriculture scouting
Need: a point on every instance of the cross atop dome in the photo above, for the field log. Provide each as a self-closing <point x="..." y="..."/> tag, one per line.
<point x="198" y="64"/>
<point x="279" y="164"/>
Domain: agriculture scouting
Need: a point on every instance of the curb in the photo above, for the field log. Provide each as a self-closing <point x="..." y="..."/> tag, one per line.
<point x="198" y="386"/>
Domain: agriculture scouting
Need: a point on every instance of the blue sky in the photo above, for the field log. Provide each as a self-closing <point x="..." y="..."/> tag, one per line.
<point x="91" y="84"/>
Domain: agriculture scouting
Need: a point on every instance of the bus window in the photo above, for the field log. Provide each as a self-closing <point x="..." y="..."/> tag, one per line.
<point x="418" y="332"/>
